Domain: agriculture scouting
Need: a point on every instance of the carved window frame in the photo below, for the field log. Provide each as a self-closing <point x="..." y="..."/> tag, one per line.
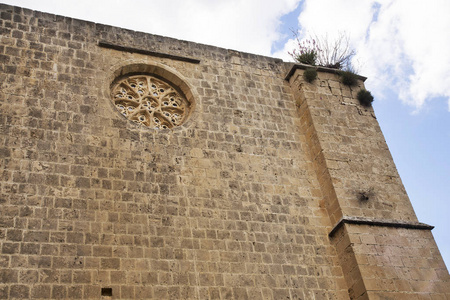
<point x="176" y="91"/>
<point x="150" y="101"/>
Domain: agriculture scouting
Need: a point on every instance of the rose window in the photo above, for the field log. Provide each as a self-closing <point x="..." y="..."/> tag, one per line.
<point x="149" y="101"/>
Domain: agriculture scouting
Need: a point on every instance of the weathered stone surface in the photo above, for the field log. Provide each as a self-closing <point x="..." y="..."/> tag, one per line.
<point x="236" y="202"/>
<point x="382" y="245"/>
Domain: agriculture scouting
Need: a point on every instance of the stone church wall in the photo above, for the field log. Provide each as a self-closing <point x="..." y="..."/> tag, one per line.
<point x="253" y="192"/>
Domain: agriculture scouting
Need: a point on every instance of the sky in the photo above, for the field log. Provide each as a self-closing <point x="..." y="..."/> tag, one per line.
<point x="402" y="46"/>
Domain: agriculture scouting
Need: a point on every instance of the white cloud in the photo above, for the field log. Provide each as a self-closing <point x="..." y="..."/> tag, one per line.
<point x="245" y="25"/>
<point x="403" y="45"/>
<point x="410" y="39"/>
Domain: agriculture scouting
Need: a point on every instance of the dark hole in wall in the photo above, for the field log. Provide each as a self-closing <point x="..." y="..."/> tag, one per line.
<point x="107" y="292"/>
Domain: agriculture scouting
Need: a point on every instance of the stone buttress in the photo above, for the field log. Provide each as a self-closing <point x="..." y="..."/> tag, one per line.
<point x="384" y="251"/>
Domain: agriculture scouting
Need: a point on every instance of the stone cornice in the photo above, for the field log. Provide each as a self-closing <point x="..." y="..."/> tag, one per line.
<point x="379" y="223"/>
<point x="108" y="45"/>
<point x="318" y="68"/>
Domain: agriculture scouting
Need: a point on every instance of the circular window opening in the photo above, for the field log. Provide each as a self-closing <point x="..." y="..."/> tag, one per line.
<point x="150" y="101"/>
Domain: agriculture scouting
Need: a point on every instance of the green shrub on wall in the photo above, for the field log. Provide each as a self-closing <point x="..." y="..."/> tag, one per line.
<point x="310" y="74"/>
<point x="365" y="98"/>
<point x="348" y="78"/>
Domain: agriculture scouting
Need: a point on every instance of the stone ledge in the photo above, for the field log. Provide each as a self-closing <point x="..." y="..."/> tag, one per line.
<point x="318" y="68"/>
<point x="378" y="222"/>
<point x="147" y="52"/>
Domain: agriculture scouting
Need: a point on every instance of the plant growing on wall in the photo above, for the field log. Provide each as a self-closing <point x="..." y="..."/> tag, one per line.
<point x="305" y="52"/>
<point x="365" y="98"/>
<point x="335" y="53"/>
<point x="310" y="74"/>
<point x="324" y="51"/>
<point x="348" y="78"/>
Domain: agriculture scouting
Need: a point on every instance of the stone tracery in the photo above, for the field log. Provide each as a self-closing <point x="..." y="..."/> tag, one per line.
<point x="150" y="101"/>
